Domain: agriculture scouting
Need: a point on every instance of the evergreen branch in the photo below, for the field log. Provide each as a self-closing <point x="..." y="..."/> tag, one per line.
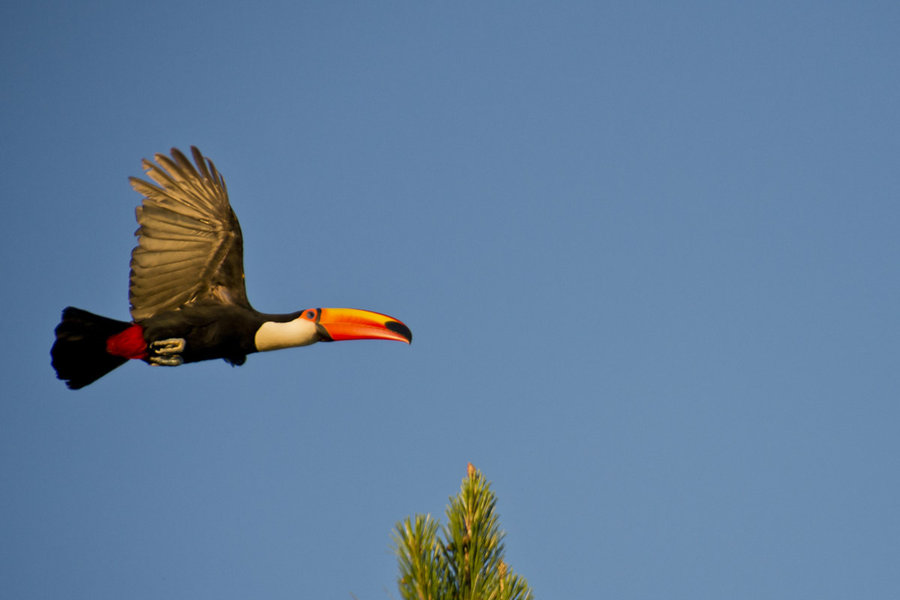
<point x="468" y="563"/>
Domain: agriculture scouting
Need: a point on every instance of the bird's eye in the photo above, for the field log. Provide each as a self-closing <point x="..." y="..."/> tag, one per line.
<point x="310" y="314"/>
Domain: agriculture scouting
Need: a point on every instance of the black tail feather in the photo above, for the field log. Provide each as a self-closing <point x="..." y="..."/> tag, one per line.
<point x="79" y="353"/>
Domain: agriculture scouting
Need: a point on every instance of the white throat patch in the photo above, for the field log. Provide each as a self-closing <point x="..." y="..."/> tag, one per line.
<point x="274" y="336"/>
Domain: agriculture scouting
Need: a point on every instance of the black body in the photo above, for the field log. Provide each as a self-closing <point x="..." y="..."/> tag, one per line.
<point x="211" y="331"/>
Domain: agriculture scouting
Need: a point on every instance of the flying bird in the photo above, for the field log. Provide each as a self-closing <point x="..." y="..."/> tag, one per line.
<point x="187" y="294"/>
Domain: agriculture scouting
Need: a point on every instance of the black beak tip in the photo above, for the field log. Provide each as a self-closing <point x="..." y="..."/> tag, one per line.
<point x="398" y="327"/>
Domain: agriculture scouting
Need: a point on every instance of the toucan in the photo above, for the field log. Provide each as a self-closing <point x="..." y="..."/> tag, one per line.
<point x="187" y="294"/>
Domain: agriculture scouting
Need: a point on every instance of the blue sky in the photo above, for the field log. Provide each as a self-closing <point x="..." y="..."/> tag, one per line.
<point x="648" y="251"/>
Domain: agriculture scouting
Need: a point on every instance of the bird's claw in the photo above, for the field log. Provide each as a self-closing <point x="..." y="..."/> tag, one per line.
<point x="166" y="353"/>
<point x="165" y="361"/>
<point x="169" y="346"/>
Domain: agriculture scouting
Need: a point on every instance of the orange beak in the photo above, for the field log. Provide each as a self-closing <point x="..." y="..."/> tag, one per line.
<point x="337" y="324"/>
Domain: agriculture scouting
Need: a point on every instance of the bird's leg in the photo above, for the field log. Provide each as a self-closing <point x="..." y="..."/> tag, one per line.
<point x="166" y="353"/>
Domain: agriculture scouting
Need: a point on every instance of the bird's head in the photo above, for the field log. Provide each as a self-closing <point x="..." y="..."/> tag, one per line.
<point x="330" y="325"/>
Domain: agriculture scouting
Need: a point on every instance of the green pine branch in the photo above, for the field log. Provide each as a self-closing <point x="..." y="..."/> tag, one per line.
<point x="462" y="560"/>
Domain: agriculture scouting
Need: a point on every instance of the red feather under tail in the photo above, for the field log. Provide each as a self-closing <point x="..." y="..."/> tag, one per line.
<point x="128" y="344"/>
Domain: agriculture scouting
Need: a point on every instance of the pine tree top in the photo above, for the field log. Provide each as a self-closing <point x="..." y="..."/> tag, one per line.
<point x="463" y="560"/>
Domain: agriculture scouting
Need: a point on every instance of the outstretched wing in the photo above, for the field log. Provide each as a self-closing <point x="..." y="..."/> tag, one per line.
<point x="190" y="248"/>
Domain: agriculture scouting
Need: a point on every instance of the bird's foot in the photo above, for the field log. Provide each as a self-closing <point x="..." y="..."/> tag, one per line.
<point x="165" y="361"/>
<point x="166" y="353"/>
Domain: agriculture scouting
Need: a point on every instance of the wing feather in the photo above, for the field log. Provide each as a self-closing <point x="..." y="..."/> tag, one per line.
<point x="190" y="248"/>
<point x="166" y="257"/>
